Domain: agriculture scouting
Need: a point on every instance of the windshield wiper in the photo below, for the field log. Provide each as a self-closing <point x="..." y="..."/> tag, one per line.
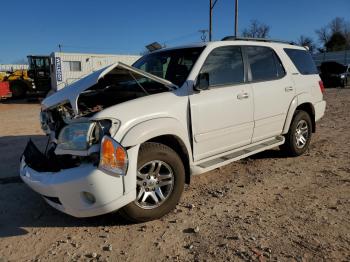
<point x="138" y="83"/>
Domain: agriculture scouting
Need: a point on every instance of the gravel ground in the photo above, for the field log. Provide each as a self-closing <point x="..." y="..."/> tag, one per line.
<point x="264" y="208"/>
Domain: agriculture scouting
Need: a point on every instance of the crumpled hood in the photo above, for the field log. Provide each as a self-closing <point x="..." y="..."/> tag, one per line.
<point x="71" y="93"/>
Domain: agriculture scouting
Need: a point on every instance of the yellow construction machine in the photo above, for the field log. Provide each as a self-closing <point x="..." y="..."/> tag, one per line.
<point x="19" y="82"/>
<point x="35" y="80"/>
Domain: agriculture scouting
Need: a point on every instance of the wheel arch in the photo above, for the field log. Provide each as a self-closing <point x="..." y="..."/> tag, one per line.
<point x="167" y="131"/>
<point x="309" y="108"/>
<point x="301" y="102"/>
<point x="179" y="147"/>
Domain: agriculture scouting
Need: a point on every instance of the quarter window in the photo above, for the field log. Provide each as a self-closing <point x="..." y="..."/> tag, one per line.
<point x="302" y="60"/>
<point x="224" y="66"/>
<point x="264" y="63"/>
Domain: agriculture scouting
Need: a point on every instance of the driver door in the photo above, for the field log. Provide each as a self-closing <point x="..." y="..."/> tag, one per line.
<point x="222" y="116"/>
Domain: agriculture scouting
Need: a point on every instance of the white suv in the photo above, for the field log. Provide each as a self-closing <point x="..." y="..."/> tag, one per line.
<point x="128" y="138"/>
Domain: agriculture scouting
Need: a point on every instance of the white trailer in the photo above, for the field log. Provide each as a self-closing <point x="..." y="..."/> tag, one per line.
<point x="67" y="68"/>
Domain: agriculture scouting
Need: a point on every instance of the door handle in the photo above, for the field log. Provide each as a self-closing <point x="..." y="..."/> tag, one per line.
<point x="242" y="96"/>
<point x="289" y="89"/>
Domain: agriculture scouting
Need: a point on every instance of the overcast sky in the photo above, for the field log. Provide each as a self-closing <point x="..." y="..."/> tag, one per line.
<point x="125" y="27"/>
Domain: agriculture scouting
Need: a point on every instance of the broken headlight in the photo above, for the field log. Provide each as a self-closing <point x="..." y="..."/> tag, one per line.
<point x="44" y="121"/>
<point x="75" y="136"/>
<point x="82" y="138"/>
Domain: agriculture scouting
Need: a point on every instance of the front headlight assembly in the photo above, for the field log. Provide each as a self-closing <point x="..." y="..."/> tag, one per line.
<point x="76" y="137"/>
<point x="87" y="138"/>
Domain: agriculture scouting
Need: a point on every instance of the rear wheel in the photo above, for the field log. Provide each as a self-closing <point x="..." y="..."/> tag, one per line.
<point x="160" y="183"/>
<point x="299" y="135"/>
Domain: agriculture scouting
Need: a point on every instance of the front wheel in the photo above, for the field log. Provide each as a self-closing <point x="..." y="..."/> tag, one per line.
<point x="160" y="183"/>
<point x="299" y="135"/>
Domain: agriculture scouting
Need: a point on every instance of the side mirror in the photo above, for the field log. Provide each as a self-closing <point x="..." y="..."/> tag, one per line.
<point x="202" y="82"/>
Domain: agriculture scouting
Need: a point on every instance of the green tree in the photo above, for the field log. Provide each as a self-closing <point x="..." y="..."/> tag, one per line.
<point x="333" y="35"/>
<point x="337" y="42"/>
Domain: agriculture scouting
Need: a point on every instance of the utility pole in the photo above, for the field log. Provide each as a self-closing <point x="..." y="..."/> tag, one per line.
<point x="60" y="47"/>
<point x="210" y="19"/>
<point x="236" y="19"/>
<point x="211" y="7"/>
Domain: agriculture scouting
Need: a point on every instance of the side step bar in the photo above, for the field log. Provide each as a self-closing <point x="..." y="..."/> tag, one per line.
<point x="234" y="155"/>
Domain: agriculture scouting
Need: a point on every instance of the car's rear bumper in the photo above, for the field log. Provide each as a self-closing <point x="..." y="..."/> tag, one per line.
<point x="66" y="190"/>
<point x="320" y="109"/>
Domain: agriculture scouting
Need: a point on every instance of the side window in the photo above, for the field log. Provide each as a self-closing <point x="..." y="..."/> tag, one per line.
<point x="302" y="60"/>
<point x="264" y="63"/>
<point x="224" y="66"/>
<point x="74" y="66"/>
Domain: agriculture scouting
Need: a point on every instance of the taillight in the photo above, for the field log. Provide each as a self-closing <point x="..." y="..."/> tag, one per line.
<point x="321" y="86"/>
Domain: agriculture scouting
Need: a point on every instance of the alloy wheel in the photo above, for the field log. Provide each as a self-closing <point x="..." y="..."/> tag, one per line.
<point x="301" y="134"/>
<point x="155" y="183"/>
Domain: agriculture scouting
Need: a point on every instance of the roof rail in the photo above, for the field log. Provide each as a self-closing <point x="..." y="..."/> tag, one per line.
<point x="237" y="38"/>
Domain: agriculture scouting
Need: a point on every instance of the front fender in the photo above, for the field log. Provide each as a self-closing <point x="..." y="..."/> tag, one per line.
<point x="149" y="129"/>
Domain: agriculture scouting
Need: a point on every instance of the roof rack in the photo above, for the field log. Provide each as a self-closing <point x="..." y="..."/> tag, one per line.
<point x="236" y="38"/>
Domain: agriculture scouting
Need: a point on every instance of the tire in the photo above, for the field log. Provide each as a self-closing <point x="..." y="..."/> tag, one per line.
<point x="294" y="146"/>
<point x="160" y="172"/>
<point x="18" y="89"/>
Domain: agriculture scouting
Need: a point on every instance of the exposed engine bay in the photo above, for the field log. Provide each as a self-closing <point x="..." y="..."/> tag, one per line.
<point x="73" y="138"/>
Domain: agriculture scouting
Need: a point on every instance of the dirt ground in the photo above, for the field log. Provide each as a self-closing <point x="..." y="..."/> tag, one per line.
<point x="264" y="208"/>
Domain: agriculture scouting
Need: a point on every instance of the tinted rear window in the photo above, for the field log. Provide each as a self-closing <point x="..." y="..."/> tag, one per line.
<point x="264" y="64"/>
<point x="302" y="60"/>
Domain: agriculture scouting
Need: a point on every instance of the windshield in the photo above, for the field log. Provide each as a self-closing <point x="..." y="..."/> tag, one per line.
<point x="40" y="63"/>
<point x="172" y="65"/>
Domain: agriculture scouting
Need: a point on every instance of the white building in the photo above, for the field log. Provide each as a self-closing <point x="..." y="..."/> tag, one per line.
<point x="69" y="67"/>
<point x="12" y="67"/>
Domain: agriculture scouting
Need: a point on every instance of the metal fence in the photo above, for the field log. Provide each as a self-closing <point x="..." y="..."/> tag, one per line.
<point x="342" y="57"/>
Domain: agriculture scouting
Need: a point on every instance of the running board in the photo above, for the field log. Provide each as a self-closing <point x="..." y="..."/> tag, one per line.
<point x="234" y="155"/>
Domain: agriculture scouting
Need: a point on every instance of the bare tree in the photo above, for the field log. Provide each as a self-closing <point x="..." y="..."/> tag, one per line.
<point x="323" y="34"/>
<point x="256" y="29"/>
<point x="337" y="26"/>
<point x="307" y="41"/>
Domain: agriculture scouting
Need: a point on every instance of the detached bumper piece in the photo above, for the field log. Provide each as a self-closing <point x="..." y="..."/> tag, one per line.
<point x="37" y="160"/>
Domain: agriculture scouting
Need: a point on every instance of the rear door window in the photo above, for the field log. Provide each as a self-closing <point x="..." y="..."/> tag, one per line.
<point x="264" y="63"/>
<point x="302" y="60"/>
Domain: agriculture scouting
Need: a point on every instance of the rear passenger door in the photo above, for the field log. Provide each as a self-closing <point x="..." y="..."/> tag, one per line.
<point x="222" y="116"/>
<point x="273" y="91"/>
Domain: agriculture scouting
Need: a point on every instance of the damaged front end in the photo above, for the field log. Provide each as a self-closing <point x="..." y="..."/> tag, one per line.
<point x="67" y="116"/>
<point x="83" y="170"/>
<point x="69" y="145"/>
